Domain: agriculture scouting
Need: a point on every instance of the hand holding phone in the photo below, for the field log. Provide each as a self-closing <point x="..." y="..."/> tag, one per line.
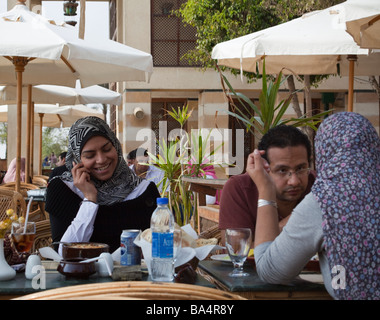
<point x="82" y="180"/>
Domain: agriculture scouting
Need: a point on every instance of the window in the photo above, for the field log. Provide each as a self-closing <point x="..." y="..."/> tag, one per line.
<point x="170" y="38"/>
<point x="159" y="113"/>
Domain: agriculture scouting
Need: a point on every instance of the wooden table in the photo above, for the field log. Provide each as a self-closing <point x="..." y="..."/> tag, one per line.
<point x="205" y="187"/>
<point x="253" y="288"/>
<point x="20" y="286"/>
<point x="206" y="213"/>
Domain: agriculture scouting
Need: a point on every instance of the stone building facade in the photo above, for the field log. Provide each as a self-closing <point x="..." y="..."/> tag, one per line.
<point x="148" y="26"/>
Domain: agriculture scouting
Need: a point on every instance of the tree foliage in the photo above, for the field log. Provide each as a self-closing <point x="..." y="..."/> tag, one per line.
<point x="54" y="140"/>
<point x="221" y="20"/>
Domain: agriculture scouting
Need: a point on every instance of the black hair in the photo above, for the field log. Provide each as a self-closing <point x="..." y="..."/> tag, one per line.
<point x="283" y="136"/>
<point x="63" y="154"/>
<point x="139" y="151"/>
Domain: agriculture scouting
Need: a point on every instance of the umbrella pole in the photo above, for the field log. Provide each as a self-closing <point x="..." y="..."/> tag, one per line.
<point x="41" y="122"/>
<point x="19" y="63"/>
<point x="28" y="129"/>
<point x="32" y="142"/>
<point x="351" y="59"/>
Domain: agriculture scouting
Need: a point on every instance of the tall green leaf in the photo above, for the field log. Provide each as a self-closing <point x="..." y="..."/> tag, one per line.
<point x="269" y="114"/>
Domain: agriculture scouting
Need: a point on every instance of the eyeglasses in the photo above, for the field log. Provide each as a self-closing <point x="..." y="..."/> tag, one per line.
<point x="285" y="173"/>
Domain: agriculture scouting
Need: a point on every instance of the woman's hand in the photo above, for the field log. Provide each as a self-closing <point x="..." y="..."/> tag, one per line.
<point x="258" y="170"/>
<point x="82" y="180"/>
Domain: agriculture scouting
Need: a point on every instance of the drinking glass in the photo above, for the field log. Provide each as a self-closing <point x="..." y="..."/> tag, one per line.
<point x="238" y="243"/>
<point x="22" y="237"/>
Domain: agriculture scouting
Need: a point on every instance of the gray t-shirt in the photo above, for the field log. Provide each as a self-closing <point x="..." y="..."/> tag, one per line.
<point x="282" y="260"/>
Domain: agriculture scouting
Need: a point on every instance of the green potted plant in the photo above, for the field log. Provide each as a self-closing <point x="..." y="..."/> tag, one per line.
<point x="269" y="114"/>
<point x="186" y="156"/>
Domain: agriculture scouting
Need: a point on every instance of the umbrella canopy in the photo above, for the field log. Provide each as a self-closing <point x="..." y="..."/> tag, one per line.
<point x="52" y="94"/>
<point x="311" y="44"/>
<point x="363" y="22"/>
<point x="34" y="50"/>
<point x="316" y="43"/>
<point x="55" y="116"/>
<point x="62" y="57"/>
<point x="64" y="96"/>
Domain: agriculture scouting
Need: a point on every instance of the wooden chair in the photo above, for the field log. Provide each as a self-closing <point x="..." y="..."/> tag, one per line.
<point x="133" y="290"/>
<point x="39" y="182"/>
<point x="36" y="213"/>
<point x="42" y="176"/>
<point x="10" y="199"/>
<point x="43" y="235"/>
<point x="24" y="187"/>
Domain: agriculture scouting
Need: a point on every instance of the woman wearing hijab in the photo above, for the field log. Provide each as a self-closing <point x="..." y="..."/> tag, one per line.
<point x="10" y="176"/>
<point x="339" y="219"/>
<point x="99" y="196"/>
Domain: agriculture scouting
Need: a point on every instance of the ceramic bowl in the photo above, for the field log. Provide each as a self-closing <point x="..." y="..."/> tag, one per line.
<point x="84" y="250"/>
<point x="73" y="268"/>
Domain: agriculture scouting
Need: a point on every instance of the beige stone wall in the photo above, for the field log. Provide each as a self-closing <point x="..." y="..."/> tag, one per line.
<point x="365" y="104"/>
<point x="135" y="130"/>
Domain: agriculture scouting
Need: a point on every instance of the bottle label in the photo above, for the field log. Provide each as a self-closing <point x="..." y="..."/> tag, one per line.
<point x="162" y="245"/>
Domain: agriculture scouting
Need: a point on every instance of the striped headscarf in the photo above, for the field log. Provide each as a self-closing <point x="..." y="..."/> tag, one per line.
<point x="347" y="188"/>
<point x="123" y="180"/>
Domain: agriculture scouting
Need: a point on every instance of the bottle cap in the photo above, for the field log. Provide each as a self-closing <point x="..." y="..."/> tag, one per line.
<point x="162" y="201"/>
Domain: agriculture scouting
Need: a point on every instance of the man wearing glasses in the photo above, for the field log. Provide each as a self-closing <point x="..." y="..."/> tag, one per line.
<point x="288" y="152"/>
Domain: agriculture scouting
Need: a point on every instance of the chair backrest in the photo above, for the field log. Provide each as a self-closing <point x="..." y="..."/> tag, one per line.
<point x="43" y="235"/>
<point x="10" y="199"/>
<point x="39" y="182"/>
<point x="131" y="290"/>
<point x="41" y="176"/>
<point x="24" y="187"/>
<point x="35" y="213"/>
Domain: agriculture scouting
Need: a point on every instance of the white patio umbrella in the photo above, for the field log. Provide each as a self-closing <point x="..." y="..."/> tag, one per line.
<point x="48" y="115"/>
<point x="55" y="55"/>
<point x="51" y="94"/>
<point x="363" y="22"/>
<point x="34" y="50"/>
<point x="315" y="43"/>
<point x="55" y="116"/>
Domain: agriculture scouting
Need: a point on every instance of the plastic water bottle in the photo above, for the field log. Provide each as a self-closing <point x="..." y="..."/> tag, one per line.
<point x="162" y="227"/>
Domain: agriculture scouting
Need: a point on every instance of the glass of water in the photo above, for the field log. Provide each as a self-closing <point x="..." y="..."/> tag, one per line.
<point x="238" y="243"/>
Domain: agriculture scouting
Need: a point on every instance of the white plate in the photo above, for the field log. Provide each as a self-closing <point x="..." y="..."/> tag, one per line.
<point x="221" y="257"/>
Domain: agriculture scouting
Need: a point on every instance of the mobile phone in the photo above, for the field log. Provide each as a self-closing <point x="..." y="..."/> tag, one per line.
<point x="76" y="161"/>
